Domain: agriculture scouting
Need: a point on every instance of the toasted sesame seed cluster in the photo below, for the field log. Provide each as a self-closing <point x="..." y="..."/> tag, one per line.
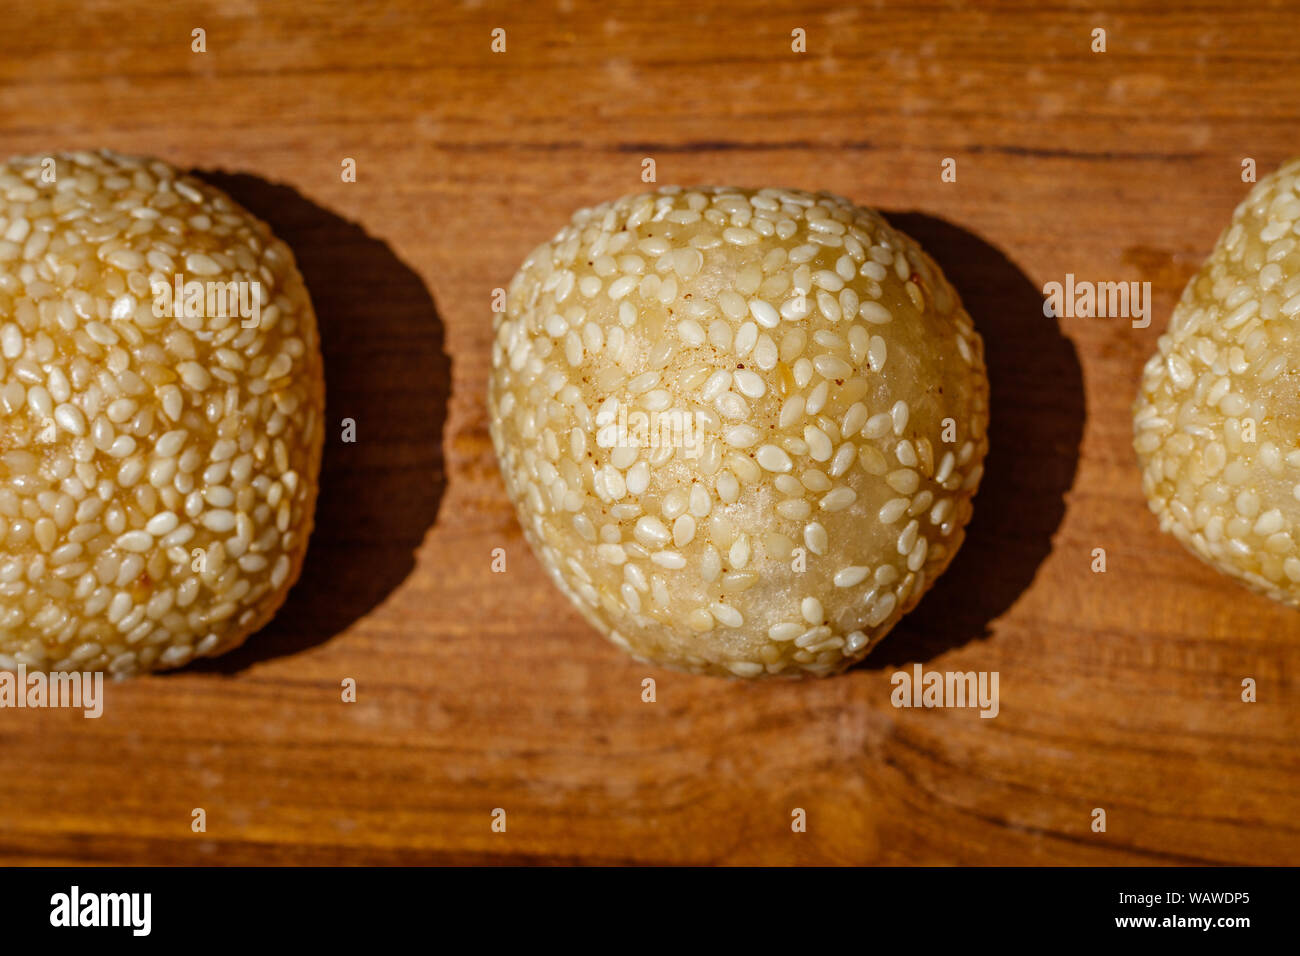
<point x="157" y="473"/>
<point x="1217" y="419"/>
<point x="742" y="428"/>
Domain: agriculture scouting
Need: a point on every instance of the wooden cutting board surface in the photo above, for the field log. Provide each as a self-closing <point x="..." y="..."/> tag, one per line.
<point x="476" y="691"/>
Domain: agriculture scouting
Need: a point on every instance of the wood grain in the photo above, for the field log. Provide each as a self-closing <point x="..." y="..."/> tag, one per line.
<point x="477" y="691"/>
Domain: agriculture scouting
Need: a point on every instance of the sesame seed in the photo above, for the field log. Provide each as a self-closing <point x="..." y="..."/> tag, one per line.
<point x="690" y="332"/>
<point x="126" y="259"/>
<point x="838" y="498"/>
<point x="200" y="264"/>
<point x="816" y="538"/>
<point x="135" y="541"/>
<point x="750" y="384"/>
<point x="794" y="509"/>
<point x="739" y="552"/>
<point x="651" y="532"/>
<point x="893" y="510"/>
<point x="832" y="367"/>
<point x="877" y="352"/>
<point x="851" y="576"/>
<point x="69" y="418"/>
<point x="742" y="436"/>
<point x="773" y="458"/>
<point x="739" y="237"/>
<point x="764" y="314"/>
<point x="811" y="609"/>
<point x="683" y="530"/>
<point x="875" y="313"/>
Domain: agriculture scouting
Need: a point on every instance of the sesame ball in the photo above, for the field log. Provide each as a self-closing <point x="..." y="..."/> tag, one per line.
<point x="158" y="453"/>
<point x="1217" y="419"/>
<point x="741" y="428"/>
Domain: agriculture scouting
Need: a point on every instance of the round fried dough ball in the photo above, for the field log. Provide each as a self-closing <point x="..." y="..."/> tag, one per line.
<point x="1217" y="419"/>
<point x="742" y="428"/>
<point x="157" y="470"/>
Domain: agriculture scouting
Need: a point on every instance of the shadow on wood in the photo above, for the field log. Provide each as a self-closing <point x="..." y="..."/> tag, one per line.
<point x="1036" y="426"/>
<point x="386" y="369"/>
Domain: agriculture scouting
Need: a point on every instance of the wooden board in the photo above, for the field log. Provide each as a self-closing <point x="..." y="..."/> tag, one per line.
<point x="478" y="691"/>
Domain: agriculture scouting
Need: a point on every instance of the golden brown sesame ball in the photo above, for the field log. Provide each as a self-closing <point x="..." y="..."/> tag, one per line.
<point x="1217" y="419"/>
<point x="157" y="472"/>
<point x="742" y="428"/>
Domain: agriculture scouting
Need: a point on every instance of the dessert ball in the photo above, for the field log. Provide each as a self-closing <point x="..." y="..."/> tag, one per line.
<point x="741" y="428"/>
<point x="161" y="403"/>
<point x="1217" y="419"/>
